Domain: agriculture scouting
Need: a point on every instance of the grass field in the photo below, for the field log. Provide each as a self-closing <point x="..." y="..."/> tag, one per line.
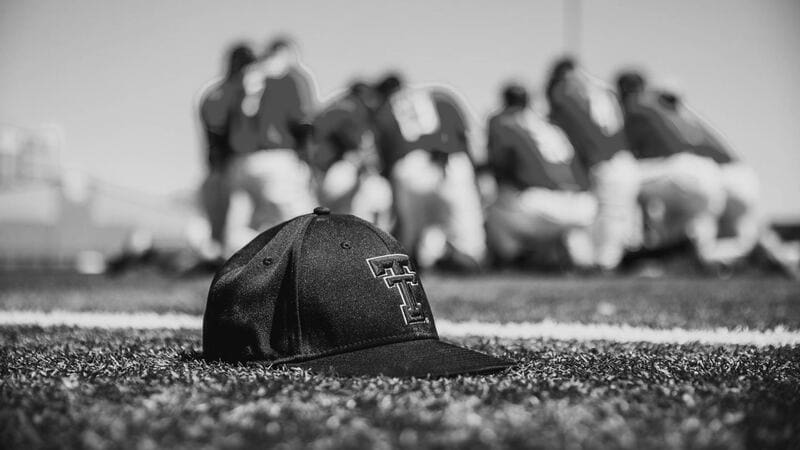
<point x="127" y="388"/>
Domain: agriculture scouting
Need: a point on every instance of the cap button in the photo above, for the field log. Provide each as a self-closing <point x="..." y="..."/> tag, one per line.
<point x="322" y="211"/>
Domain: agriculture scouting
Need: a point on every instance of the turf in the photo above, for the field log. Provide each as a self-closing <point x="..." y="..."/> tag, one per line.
<point x="757" y="303"/>
<point x="67" y="387"/>
<point x="70" y="387"/>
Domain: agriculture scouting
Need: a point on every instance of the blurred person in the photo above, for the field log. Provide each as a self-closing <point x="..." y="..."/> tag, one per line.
<point x="589" y="114"/>
<point x="542" y="195"/>
<point x="662" y="128"/>
<point x="681" y="192"/>
<point x="269" y="138"/>
<point x="345" y="157"/>
<point x="421" y="137"/>
<point x="216" y="103"/>
<point x="287" y="97"/>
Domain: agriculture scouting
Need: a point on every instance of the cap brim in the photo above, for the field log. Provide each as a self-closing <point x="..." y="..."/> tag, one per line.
<point x="419" y="358"/>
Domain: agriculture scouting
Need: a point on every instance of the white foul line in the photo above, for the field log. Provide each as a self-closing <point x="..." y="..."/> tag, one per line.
<point x="546" y="329"/>
<point x="549" y="329"/>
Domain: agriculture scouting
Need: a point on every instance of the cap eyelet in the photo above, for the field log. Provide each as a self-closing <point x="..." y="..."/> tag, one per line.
<point x="267" y="261"/>
<point x="346" y="245"/>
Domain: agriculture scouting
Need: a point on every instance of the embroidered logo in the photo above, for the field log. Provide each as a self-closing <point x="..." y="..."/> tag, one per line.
<point x="395" y="270"/>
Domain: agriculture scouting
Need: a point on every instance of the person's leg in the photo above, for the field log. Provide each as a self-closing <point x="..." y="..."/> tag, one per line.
<point x="238" y="231"/>
<point x="293" y="193"/>
<point x="519" y="222"/>
<point x="682" y="198"/>
<point x="699" y="202"/>
<point x="279" y="184"/>
<point x="462" y="218"/>
<point x="661" y="199"/>
<point x="339" y="186"/>
<point x="373" y="201"/>
<point x="740" y="223"/>
<point x="617" y="228"/>
<point x="556" y="210"/>
<point x="572" y="213"/>
<point x="504" y="233"/>
<point x="415" y="180"/>
<point x="744" y="226"/>
<point x="580" y="247"/>
<point x="215" y="195"/>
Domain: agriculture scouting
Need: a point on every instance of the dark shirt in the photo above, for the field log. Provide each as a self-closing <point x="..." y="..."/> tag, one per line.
<point x="284" y="108"/>
<point x="527" y="152"/>
<point x="216" y="107"/>
<point x="424" y="119"/>
<point x="286" y="105"/>
<point x="340" y="127"/>
<point x="570" y="109"/>
<point x="657" y="127"/>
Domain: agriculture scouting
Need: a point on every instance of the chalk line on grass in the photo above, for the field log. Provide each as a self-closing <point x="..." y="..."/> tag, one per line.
<point x="546" y="329"/>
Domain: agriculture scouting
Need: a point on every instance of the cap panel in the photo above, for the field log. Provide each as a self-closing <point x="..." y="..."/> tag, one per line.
<point x="395" y="248"/>
<point x="242" y="310"/>
<point x="357" y="288"/>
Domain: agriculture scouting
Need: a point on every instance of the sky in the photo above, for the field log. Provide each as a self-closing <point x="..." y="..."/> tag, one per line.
<point x="120" y="77"/>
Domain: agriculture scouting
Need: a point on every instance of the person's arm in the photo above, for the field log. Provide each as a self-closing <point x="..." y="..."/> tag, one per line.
<point x="713" y="146"/>
<point x="214" y="112"/>
<point x="570" y="114"/>
<point x="305" y="89"/>
<point x="497" y="152"/>
<point x="462" y="122"/>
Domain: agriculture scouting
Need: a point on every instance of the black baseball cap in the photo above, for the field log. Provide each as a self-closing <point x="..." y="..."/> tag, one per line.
<point x="330" y="293"/>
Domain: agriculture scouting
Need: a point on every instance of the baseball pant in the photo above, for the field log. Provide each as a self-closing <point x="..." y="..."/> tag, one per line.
<point x="520" y="221"/>
<point x="617" y="228"/>
<point x="444" y="198"/>
<point x="268" y="187"/>
<point x="682" y="196"/>
<point x="741" y="225"/>
<point x="347" y="190"/>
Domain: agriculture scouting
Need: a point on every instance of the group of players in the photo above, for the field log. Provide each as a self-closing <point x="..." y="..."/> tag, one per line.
<point x="581" y="180"/>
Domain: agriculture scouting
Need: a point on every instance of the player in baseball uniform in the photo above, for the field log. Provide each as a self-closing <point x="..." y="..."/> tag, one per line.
<point x="662" y="127"/>
<point x="421" y="136"/>
<point x="346" y="160"/>
<point x="269" y="139"/>
<point x="681" y="192"/>
<point x="215" y="105"/>
<point x="542" y="194"/>
<point x="589" y="114"/>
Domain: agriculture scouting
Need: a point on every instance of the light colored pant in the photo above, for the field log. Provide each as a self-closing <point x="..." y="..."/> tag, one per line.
<point x="741" y="224"/>
<point x="366" y="195"/>
<point x="267" y="187"/>
<point x="427" y="197"/>
<point x="618" y="227"/>
<point x="520" y="221"/>
<point x="683" y="196"/>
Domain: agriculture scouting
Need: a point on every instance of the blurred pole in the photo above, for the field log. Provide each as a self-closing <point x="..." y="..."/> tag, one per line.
<point x="573" y="10"/>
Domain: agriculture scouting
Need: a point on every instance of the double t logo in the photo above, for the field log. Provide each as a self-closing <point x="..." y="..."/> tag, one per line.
<point x="395" y="270"/>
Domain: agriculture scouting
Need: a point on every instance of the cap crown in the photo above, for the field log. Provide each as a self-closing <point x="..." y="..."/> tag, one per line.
<point x="316" y="285"/>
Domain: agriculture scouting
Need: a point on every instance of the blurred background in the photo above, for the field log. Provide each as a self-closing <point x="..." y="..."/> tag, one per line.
<point x="100" y="149"/>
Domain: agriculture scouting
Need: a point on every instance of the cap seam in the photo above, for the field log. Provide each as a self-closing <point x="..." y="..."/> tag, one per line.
<point x="255" y="255"/>
<point x="354" y="346"/>
<point x="297" y="250"/>
<point x="385" y="244"/>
